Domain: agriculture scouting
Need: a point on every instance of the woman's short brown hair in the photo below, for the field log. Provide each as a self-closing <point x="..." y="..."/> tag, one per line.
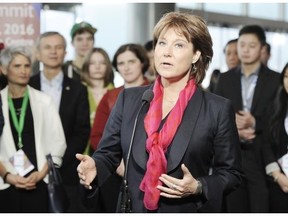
<point x="195" y="30"/>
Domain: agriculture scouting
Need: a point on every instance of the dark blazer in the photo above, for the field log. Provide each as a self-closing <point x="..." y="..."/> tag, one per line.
<point x="274" y="147"/>
<point x="207" y="131"/>
<point x="74" y="114"/>
<point x="229" y="86"/>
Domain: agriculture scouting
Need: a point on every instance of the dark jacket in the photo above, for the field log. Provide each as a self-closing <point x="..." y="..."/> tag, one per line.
<point x="207" y="133"/>
<point x="229" y="86"/>
<point x="74" y="114"/>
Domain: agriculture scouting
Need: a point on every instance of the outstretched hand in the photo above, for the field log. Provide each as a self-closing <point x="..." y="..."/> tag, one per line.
<point x="86" y="170"/>
<point x="178" y="188"/>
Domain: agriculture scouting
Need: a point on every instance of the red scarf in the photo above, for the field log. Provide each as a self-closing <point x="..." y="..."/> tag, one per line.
<point x="158" y="142"/>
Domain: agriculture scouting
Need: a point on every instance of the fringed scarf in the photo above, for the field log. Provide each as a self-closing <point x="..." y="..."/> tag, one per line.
<point x="158" y="142"/>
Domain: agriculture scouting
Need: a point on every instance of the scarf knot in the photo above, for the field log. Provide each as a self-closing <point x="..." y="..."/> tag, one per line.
<point x="157" y="143"/>
<point x="154" y="141"/>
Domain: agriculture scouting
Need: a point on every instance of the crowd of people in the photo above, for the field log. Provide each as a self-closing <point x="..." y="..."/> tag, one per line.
<point x="161" y="139"/>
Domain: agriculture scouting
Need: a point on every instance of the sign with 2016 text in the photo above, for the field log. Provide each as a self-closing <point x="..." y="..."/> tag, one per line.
<point x="19" y="23"/>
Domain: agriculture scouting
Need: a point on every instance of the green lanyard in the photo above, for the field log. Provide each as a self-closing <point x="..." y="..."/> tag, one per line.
<point x="19" y="125"/>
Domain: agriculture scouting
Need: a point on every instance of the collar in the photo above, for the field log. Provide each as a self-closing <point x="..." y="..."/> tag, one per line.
<point x="56" y="81"/>
<point x="256" y="72"/>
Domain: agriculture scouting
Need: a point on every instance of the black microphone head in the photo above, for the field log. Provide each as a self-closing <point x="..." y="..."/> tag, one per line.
<point x="148" y="96"/>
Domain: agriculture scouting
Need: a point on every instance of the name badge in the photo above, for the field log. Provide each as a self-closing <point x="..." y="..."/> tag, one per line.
<point x="21" y="163"/>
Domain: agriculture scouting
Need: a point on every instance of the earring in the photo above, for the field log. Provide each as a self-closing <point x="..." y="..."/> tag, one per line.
<point x="194" y="68"/>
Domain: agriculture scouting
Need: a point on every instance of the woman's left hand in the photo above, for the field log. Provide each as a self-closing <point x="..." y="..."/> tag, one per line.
<point x="178" y="188"/>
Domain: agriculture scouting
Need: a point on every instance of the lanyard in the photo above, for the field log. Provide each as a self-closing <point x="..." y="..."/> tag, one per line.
<point x="19" y="125"/>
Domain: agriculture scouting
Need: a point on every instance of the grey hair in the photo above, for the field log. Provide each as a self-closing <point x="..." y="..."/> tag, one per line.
<point x="9" y="53"/>
<point x="47" y="34"/>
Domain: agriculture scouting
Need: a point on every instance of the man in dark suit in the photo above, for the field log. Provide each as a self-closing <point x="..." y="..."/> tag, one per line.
<point x="251" y="86"/>
<point x="71" y="99"/>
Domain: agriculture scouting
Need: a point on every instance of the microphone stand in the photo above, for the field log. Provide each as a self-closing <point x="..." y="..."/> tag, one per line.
<point x="124" y="196"/>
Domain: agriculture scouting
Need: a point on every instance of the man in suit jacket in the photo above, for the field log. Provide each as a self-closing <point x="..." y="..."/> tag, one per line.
<point x="251" y="87"/>
<point x="71" y="99"/>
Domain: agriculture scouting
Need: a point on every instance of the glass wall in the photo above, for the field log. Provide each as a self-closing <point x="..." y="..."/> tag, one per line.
<point x="233" y="8"/>
<point x="50" y="22"/>
<point x="286" y="14"/>
<point x="269" y="11"/>
<point x="116" y="26"/>
<point x="220" y="35"/>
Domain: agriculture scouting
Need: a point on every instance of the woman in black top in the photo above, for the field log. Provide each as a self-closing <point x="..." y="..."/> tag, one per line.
<point x="275" y="148"/>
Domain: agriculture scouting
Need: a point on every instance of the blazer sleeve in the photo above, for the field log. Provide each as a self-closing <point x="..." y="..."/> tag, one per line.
<point x="109" y="151"/>
<point x="227" y="174"/>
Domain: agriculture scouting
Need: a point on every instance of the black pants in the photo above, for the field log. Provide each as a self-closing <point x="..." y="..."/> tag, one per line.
<point x="278" y="199"/>
<point x="75" y="199"/>
<point x="252" y="195"/>
<point x="108" y="195"/>
<point x="13" y="200"/>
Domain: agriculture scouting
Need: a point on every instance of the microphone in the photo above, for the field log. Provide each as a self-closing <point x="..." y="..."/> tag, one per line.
<point x="124" y="197"/>
<point x="147" y="96"/>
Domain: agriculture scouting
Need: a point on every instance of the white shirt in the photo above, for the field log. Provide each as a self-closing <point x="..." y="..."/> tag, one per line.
<point x="52" y="87"/>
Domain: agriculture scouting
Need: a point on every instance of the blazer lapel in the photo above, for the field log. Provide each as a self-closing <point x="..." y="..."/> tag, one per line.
<point x="236" y="90"/>
<point x="139" y="152"/>
<point x="36" y="82"/>
<point x="65" y="95"/>
<point x="37" y="117"/>
<point x="259" y="88"/>
<point x="180" y="141"/>
<point x="183" y="135"/>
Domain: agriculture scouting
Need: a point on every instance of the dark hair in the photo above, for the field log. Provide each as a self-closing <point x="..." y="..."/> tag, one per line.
<point x="256" y="30"/>
<point x="138" y="50"/>
<point x="195" y="30"/>
<point x="268" y="47"/>
<point x="214" y="80"/>
<point x="82" y="27"/>
<point x="109" y="74"/>
<point x="149" y="45"/>
<point x="228" y="43"/>
<point x="81" y="31"/>
<point x="279" y="108"/>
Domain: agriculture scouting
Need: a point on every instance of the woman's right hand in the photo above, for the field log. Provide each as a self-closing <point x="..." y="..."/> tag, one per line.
<point x="121" y="169"/>
<point x="86" y="170"/>
<point x="20" y="182"/>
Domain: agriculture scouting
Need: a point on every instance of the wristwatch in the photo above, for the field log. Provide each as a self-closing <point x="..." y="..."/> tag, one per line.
<point x="199" y="187"/>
